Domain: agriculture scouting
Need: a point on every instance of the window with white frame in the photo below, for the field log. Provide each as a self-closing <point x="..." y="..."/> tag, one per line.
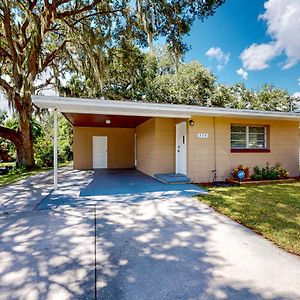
<point x="248" y="137"/>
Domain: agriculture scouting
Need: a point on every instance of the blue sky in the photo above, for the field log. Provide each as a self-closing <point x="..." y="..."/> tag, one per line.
<point x="270" y="44"/>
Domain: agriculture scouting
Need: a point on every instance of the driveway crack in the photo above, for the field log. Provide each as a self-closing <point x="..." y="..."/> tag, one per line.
<point x="95" y="249"/>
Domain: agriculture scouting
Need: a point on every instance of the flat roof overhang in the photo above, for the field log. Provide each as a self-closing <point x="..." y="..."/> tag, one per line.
<point x="97" y="120"/>
<point x="142" y="109"/>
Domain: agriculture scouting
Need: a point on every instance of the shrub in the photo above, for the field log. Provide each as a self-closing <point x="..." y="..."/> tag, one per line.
<point x="282" y="172"/>
<point x="269" y="172"/>
<point x="44" y="152"/>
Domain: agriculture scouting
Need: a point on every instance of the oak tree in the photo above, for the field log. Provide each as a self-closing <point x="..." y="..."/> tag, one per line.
<point x="41" y="40"/>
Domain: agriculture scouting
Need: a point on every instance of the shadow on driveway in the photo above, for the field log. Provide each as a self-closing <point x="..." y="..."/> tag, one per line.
<point x="114" y="185"/>
<point x="118" y="247"/>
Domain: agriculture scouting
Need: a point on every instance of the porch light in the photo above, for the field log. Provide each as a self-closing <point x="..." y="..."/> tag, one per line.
<point x="107" y="122"/>
<point x="191" y="122"/>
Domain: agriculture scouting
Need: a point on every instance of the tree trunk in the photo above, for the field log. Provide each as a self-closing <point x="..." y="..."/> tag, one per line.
<point x="22" y="139"/>
<point x="25" y="152"/>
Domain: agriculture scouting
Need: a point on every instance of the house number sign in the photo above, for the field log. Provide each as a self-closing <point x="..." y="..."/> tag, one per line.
<point x="202" y="135"/>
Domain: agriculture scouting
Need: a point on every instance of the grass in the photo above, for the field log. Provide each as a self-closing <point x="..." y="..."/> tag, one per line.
<point x="17" y="175"/>
<point x="272" y="210"/>
<point x="7" y="164"/>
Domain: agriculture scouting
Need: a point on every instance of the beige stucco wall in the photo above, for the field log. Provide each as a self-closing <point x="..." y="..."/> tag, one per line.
<point x="156" y="146"/>
<point x="283" y="141"/>
<point x="145" y="149"/>
<point x="120" y="144"/>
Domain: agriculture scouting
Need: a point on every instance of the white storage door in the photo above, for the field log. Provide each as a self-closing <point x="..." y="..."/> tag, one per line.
<point x="99" y="152"/>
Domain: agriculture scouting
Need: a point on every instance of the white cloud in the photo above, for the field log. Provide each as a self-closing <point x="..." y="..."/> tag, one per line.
<point x="283" y="22"/>
<point x="299" y="81"/>
<point x="297" y="95"/>
<point x="221" y="57"/>
<point x="256" y="57"/>
<point x="242" y="73"/>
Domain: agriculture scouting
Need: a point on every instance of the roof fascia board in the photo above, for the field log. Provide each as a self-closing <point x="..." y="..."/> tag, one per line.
<point x="125" y="113"/>
<point x="77" y="105"/>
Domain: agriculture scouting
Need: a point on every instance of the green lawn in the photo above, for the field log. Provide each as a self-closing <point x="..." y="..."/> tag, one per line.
<point x="272" y="210"/>
<point x="14" y="176"/>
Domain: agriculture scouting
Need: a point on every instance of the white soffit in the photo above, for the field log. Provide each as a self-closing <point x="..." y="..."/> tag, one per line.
<point x="111" y="107"/>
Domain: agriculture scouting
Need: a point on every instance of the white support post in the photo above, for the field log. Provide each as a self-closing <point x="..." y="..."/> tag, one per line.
<point x="55" y="150"/>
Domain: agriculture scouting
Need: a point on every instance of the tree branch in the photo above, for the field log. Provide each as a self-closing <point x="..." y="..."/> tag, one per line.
<point x="62" y="2"/>
<point x="32" y="4"/>
<point x="12" y="94"/>
<point x="95" y="14"/>
<point x="4" y="53"/>
<point x="75" y="12"/>
<point x="5" y="85"/>
<point x="9" y="134"/>
<point x="8" y="30"/>
<point x="51" y="56"/>
<point x="43" y="85"/>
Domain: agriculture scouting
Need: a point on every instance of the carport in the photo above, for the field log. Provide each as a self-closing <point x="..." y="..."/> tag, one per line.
<point x="118" y="135"/>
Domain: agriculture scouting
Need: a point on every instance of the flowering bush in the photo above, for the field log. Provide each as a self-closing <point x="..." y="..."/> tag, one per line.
<point x="239" y="168"/>
<point x="269" y="172"/>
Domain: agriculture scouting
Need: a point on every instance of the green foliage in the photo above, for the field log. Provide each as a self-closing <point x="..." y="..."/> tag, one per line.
<point x="157" y="76"/>
<point x="3" y="117"/>
<point x="6" y="146"/>
<point x="271" y="98"/>
<point x="269" y="172"/>
<point x="268" y="98"/>
<point x="127" y="73"/>
<point x="44" y="152"/>
<point x="189" y="83"/>
<point x="192" y="84"/>
<point x="13" y="123"/>
<point x="17" y="174"/>
<point x="44" y="143"/>
<point x="42" y="132"/>
<point x="43" y="41"/>
<point x="149" y="77"/>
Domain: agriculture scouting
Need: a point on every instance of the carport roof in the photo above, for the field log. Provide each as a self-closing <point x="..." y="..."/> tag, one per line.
<point x="125" y="108"/>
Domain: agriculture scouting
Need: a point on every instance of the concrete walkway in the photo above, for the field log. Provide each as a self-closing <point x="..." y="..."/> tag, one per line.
<point x="26" y="194"/>
<point x="118" y="247"/>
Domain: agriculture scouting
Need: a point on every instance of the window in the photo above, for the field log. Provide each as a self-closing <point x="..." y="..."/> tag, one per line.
<point x="248" y="137"/>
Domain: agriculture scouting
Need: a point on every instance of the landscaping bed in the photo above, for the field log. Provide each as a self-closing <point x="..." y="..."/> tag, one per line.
<point x="272" y="210"/>
<point x="258" y="182"/>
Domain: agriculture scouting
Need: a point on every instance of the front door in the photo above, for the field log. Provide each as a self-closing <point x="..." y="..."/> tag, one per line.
<point x="99" y="152"/>
<point x="181" y="148"/>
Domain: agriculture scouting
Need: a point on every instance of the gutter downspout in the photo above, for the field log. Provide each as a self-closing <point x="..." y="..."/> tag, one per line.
<point x="215" y="150"/>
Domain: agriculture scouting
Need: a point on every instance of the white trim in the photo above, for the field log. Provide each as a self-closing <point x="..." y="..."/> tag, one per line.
<point x="55" y="146"/>
<point x="101" y="106"/>
<point x="265" y="137"/>
<point x="183" y="149"/>
<point x="248" y="135"/>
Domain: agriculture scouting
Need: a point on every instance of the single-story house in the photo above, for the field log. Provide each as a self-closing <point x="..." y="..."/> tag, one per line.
<point x="198" y="142"/>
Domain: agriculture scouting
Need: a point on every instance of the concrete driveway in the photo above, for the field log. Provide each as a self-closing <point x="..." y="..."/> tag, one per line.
<point x="159" y="245"/>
